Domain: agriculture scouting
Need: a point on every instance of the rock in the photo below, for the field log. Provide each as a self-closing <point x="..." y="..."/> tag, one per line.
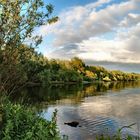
<point x="72" y="124"/>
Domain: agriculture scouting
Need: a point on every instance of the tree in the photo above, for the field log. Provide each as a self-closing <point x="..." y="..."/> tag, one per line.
<point x="90" y="75"/>
<point x="18" y="19"/>
<point x="54" y="66"/>
<point x="77" y="64"/>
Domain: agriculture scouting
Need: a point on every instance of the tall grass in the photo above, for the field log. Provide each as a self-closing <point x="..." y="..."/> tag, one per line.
<point x="119" y="135"/>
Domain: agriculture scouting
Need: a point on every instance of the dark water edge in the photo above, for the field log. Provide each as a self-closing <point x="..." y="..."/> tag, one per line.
<point x="52" y="93"/>
<point x="100" y="107"/>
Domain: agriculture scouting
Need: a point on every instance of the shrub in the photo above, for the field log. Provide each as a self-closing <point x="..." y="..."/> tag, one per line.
<point x="107" y="79"/>
<point x="22" y="123"/>
<point x="70" y="76"/>
<point x="45" y="76"/>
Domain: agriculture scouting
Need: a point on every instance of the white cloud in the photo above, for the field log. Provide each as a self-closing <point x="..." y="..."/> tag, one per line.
<point x="80" y="29"/>
<point x="130" y="19"/>
<point x="82" y="22"/>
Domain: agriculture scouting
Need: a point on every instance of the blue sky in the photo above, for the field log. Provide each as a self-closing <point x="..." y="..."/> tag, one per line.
<point x="63" y="4"/>
<point x="104" y="32"/>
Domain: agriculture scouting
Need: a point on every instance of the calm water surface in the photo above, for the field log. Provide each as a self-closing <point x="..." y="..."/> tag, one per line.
<point x="100" y="108"/>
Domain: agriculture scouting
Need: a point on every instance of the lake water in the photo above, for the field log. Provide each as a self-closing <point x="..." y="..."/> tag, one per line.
<point x="100" y="108"/>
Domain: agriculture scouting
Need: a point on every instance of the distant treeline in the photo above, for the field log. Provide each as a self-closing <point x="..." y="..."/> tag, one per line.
<point x="25" y="65"/>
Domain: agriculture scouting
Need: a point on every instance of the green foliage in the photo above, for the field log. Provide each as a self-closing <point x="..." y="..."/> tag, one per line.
<point x="54" y="66"/>
<point x="12" y="76"/>
<point x="18" y="19"/>
<point x="18" y="63"/>
<point x="89" y="76"/>
<point x="45" y="76"/>
<point x="22" y="123"/>
<point x="70" y="76"/>
<point x="119" y="135"/>
<point x="32" y="67"/>
<point x="21" y="64"/>
<point x="105" y="75"/>
<point x="77" y="64"/>
<point x="38" y="68"/>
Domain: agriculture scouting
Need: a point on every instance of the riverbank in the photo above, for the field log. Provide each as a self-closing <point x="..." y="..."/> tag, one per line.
<point x="31" y="84"/>
<point x="92" y="102"/>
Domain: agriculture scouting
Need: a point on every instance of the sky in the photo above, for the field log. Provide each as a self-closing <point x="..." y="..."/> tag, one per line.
<point x="101" y="32"/>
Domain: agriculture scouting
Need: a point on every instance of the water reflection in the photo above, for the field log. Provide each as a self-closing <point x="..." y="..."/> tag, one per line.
<point x="75" y="92"/>
<point x="100" y="108"/>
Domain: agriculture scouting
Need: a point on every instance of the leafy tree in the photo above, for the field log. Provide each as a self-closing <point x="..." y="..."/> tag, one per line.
<point x="77" y="64"/>
<point x="18" y="20"/>
<point x="45" y="76"/>
<point x="68" y="75"/>
<point x="54" y="66"/>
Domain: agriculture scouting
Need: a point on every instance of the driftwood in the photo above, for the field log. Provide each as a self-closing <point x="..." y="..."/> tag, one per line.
<point x="72" y="124"/>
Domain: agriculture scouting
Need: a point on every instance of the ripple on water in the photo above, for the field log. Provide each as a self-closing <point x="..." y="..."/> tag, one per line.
<point x="99" y="125"/>
<point x="100" y="115"/>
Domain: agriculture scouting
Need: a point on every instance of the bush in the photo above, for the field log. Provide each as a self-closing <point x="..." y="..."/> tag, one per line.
<point x="21" y="123"/>
<point x="70" y="76"/>
<point x="107" y="79"/>
<point x="45" y="77"/>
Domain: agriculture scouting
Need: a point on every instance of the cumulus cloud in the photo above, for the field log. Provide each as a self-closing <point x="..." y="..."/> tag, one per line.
<point x="130" y="19"/>
<point x="82" y="22"/>
<point x="65" y="52"/>
<point x="98" y="31"/>
<point x="99" y="3"/>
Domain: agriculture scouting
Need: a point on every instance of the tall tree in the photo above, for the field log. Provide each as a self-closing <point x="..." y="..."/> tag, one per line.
<point x="18" y="19"/>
